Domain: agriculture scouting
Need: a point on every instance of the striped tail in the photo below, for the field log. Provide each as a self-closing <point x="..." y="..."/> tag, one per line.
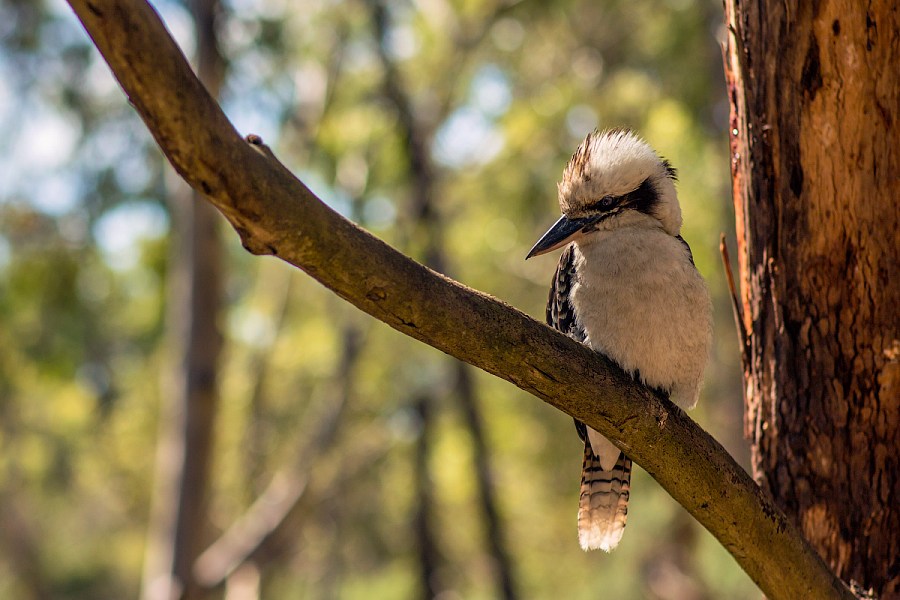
<point x="603" y="506"/>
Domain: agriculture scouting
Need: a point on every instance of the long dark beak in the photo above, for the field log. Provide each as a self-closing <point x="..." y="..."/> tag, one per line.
<point x="563" y="231"/>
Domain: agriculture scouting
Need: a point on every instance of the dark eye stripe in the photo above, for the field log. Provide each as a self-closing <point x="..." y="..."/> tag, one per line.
<point x="604" y="204"/>
<point x="608" y="202"/>
<point x="644" y="199"/>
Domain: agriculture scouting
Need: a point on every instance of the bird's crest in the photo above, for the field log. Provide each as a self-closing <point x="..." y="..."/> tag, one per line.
<point x="613" y="163"/>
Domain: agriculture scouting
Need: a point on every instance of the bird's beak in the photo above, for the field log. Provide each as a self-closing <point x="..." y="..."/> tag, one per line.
<point x="563" y="231"/>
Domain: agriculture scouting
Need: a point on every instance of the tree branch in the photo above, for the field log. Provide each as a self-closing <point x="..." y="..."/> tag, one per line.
<point x="274" y="213"/>
<point x="426" y="219"/>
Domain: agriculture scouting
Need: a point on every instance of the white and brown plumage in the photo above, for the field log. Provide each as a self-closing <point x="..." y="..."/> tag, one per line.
<point x="626" y="286"/>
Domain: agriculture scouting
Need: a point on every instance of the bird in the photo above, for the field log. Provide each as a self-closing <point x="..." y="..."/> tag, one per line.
<point x="627" y="287"/>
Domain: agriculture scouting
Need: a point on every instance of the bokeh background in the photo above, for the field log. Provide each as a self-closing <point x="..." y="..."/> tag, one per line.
<point x="498" y="95"/>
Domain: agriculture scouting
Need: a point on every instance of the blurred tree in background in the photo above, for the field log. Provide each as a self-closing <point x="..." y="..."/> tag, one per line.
<point x="440" y="126"/>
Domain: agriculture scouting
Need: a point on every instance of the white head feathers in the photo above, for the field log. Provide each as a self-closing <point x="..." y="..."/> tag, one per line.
<point x="614" y="163"/>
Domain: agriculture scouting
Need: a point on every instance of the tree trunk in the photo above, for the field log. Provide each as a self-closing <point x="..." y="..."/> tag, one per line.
<point x="495" y="533"/>
<point x="274" y="213"/>
<point x="428" y="554"/>
<point x="178" y="524"/>
<point x="815" y="163"/>
<point x="428" y="230"/>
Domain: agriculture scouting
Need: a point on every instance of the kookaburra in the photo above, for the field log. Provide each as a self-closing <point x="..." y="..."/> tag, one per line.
<point x="627" y="287"/>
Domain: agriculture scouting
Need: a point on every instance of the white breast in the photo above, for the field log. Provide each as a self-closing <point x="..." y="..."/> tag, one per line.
<point x="643" y="304"/>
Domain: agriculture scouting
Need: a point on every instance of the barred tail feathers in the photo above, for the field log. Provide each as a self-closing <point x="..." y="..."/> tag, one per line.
<point x="603" y="507"/>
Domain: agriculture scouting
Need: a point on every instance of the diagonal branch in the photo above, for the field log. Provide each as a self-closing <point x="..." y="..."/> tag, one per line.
<point x="276" y="214"/>
<point x="426" y="218"/>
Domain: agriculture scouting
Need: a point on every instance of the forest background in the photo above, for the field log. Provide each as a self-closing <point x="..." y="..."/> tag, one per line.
<point x="479" y="104"/>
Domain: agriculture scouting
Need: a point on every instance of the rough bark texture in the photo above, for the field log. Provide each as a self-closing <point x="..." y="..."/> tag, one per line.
<point x="815" y="158"/>
<point x="276" y="214"/>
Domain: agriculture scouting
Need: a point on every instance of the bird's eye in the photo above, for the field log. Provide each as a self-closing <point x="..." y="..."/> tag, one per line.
<point x="607" y="202"/>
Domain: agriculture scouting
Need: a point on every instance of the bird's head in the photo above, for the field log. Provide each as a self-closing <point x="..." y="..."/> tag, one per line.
<point x="614" y="179"/>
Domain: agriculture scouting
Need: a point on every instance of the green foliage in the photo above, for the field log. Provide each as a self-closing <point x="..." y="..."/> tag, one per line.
<point x="504" y="93"/>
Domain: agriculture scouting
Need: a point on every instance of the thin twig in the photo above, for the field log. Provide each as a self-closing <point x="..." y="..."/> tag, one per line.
<point x="743" y="337"/>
